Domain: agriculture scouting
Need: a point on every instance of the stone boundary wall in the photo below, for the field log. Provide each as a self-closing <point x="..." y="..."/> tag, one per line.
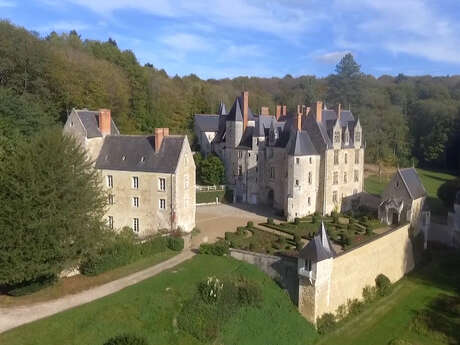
<point x="282" y="269"/>
<point x="392" y="254"/>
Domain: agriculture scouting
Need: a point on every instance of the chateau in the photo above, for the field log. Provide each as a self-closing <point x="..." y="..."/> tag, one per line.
<point x="303" y="162"/>
<point x="150" y="179"/>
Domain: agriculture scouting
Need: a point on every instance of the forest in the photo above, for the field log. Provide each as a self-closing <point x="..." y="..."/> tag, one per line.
<point x="407" y="120"/>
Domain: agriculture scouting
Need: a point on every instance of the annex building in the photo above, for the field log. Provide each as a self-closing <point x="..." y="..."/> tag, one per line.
<point x="299" y="162"/>
<point x="150" y="179"/>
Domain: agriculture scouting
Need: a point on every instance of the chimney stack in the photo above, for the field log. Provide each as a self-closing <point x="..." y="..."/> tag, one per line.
<point x="298" y="108"/>
<point x="160" y="133"/>
<point x="319" y="111"/>
<point x="278" y="112"/>
<point x="245" y="96"/>
<point x="264" y="111"/>
<point x="299" y="121"/>
<point x="339" y="110"/>
<point x="284" y="110"/>
<point x="105" y="122"/>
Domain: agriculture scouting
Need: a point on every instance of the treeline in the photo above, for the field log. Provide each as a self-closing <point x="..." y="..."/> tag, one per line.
<point x="407" y="120"/>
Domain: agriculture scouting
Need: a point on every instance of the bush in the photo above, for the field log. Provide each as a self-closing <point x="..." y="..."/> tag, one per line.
<point x="383" y="284"/>
<point x="354" y="307"/>
<point x="369" y="293"/>
<point x="345" y="239"/>
<point x="250" y="224"/>
<point x="298" y="242"/>
<point x="296" y="221"/>
<point x="219" y="248"/>
<point x="240" y="231"/>
<point x="126" y="339"/>
<point x="369" y="231"/>
<point x="210" y="289"/>
<point x="326" y="323"/>
<point x="315" y="219"/>
<point x="175" y="243"/>
<point x="270" y="221"/>
<point x="26" y="288"/>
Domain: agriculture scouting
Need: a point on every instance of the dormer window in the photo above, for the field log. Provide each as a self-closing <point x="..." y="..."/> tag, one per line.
<point x="347" y="137"/>
<point x="123" y="158"/>
<point x="336" y="137"/>
<point x="142" y="158"/>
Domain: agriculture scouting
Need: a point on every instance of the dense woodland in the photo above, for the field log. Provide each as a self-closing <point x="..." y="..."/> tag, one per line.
<point x="407" y="120"/>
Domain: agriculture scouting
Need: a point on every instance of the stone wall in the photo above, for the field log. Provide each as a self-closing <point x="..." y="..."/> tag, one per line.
<point x="391" y="254"/>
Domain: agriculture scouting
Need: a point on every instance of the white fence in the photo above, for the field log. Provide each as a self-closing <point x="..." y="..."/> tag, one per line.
<point x="210" y="188"/>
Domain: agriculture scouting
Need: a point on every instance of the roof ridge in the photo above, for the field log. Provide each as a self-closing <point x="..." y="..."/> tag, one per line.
<point x="405" y="183"/>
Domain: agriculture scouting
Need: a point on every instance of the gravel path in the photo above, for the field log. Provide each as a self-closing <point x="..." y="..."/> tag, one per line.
<point x="16" y="316"/>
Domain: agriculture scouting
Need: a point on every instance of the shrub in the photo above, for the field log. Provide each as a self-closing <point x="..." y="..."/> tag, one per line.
<point x="341" y="312"/>
<point x="250" y="224"/>
<point x="369" y="231"/>
<point x="345" y="239"/>
<point x="354" y="307"/>
<point x="175" y="243"/>
<point x="315" y="219"/>
<point x="383" y="285"/>
<point x="240" y="231"/>
<point x="369" y="293"/>
<point x="26" y="288"/>
<point x="325" y="323"/>
<point x="351" y="220"/>
<point x="270" y="221"/>
<point x="219" y="248"/>
<point x="126" y="339"/>
<point x="298" y="242"/>
<point x="296" y="221"/>
<point x="210" y="289"/>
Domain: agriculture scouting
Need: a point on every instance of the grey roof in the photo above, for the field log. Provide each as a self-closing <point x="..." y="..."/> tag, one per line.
<point x="263" y="124"/>
<point x="222" y="110"/>
<point x="235" y="113"/>
<point x="90" y="120"/>
<point x="412" y="182"/>
<point x="207" y="123"/>
<point x="319" y="248"/>
<point x="137" y="153"/>
<point x="300" y="144"/>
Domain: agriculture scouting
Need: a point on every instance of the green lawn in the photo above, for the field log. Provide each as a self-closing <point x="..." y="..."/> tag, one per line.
<point x="431" y="180"/>
<point x="150" y="309"/>
<point x="208" y="197"/>
<point x="392" y="317"/>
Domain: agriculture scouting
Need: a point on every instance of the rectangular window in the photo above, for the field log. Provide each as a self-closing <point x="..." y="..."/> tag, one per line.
<point x="135" y="182"/>
<point x="272" y="172"/>
<point x="162" y="204"/>
<point x="309" y="201"/>
<point x="311" y="160"/>
<point x="296" y="182"/>
<point x="186" y="182"/>
<point x="110" y="199"/>
<point x="257" y="157"/>
<point x="344" y="177"/>
<point x="308" y="265"/>
<point x="356" y="176"/>
<point x="336" y="157"/>
<point x="309" y="177"/>
<point x="356" y="156"/>
<point x="297" y="161"/>
<point x="336" y="178"/>
<point x="162" y="184"/>
<point x="240" y="170"/>
<point x="240" y="154"/>
<point x="336" y="137"/>
<point x="346" y="158"/>
<point x="136" y="201"/>
<point x="110" y="181"/>
<point x="358" y="136"/>
<point x="110" y="222"/>
<point x="136" y="225"/>
<point x="334" y="196"/>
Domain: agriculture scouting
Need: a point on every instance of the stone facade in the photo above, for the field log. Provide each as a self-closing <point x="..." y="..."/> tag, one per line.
<point x="327" y="283"/>
<point x="299" y="163"/>
<point x="150" y="180"/>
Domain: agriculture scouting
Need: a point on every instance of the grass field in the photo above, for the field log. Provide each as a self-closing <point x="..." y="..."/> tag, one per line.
<point x="81" y="282"/>
<point x="431" y="180"/>
<point x="392" y="317"/>
<point x="150" y="308"/>
<point x="208" y="197"/>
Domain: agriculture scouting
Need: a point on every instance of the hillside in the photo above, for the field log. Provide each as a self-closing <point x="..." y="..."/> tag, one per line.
<point x="405" y="118"/>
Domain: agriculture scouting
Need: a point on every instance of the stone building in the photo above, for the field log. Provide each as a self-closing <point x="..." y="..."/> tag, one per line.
<point x="150" y="179"/>
<point x="298" y="162"/>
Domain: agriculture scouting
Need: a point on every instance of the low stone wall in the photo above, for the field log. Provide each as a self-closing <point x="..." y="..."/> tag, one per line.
<point x="283" y="269"/>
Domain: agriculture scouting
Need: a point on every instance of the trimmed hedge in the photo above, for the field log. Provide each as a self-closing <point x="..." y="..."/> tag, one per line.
<point x="126" y="339"/>
<point x="176" y="243"/>
<point x="220" y="248"/>
<point x="29" y="287"/>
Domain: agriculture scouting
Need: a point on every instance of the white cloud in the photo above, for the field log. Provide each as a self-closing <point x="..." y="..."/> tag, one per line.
<point x="331" y="57"/>
<point x="7" y="3"/>
<point x="185" y="42"/>
<point x="237" y="52"/>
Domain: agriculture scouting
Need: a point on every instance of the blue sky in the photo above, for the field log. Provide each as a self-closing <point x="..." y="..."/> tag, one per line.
<point x="227" y="38"/>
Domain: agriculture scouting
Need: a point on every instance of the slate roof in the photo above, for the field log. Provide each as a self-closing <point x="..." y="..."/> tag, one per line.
<point x="319" y="248"/>
<point x="300" y="144"/>
<point x="137" y="153"/>
<point x="222" y="110"/>
<point x="235" y="113"/>
<point x="412" y="181"/>
<point x="207" y="123"/>
<point x="90" y="120"/>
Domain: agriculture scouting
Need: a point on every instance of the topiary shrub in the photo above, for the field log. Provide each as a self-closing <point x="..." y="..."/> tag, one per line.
<point x="315" y="219"/>
<point x="270" y="221"/>
<point x="175" y="243"/>
<point x="240" y="231"/>
<point x="369" y="231"/>
<point x="326" y="323"/>
<point x="296" y="221"/>
<point x="345" y="239"/>
<point x="126" y="339"/>
<point x="383" y="284"/>
<point x="298" y="242"/>
<point x="250" y="224"/>
<point x="219" y="248"/>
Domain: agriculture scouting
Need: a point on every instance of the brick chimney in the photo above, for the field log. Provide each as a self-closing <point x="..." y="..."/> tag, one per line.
<point x="264" y="111"/>
<point x="339" y="111"/>
<point x="245" y="96"/>
<point x="160" y="133"/>
<point x="299" y="122"/>
<point x="284" y="110"/>
<point x="278" y="112"/>
<point x="319" y="111"/>
<point x="105" y="122"/>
